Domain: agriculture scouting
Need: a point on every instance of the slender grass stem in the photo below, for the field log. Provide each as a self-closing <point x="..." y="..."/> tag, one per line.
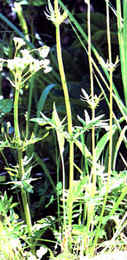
<point x="67" y="104"/>
<point x="122" y="37"/>
<point x="110" y="124"/>
<point x="90" y="210"/>
<point x="111" y="90"/>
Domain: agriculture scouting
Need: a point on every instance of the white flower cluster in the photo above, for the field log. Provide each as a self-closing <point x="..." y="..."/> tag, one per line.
<point x="24" y="60"/>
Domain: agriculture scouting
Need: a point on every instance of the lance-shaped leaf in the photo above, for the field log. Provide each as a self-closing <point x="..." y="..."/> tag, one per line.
<point x="59" y="130"/>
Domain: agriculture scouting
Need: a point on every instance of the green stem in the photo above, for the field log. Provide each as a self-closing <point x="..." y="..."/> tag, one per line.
<point x="23" y="193"/>
<point x="26" y="211"/>
<point x="67" y="104"/>
<point x="111" y="91"/>
<point x="90" y="210"/>
<point x="16" y="119"/>
<point x="122" y="38"/>
<point x="20" y="157"/>
<point x="110" y="131"/>
<point x="23" y="24"/>
<point x="31" y="86"/>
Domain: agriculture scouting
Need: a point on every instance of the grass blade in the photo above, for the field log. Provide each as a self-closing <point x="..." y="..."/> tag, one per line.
<point x="14" y="28"/>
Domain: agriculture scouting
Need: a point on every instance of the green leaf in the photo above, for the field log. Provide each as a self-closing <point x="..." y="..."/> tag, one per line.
<point x="102" y="143"/>
<point x="41" y="102"/>
<point x="82" y="149"/>
<point x="17" y="31"/>
<point x="2" y="178"/>
<point x="118" y="144"/>
<point x="43" y="98"/>
<point x="59" y="130"/>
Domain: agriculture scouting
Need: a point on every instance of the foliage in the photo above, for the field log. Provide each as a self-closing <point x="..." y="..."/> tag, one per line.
<point x="13" y="230"/>
<point x="68" y="169"/>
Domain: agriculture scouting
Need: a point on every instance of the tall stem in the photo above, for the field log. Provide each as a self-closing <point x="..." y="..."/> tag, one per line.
<point x="111" y="90"/>
<point x="67" y="104"/>
<point x="90" y="210"/>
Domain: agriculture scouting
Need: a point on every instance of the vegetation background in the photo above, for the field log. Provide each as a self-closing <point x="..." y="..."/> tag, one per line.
<point x="63" y="114"/>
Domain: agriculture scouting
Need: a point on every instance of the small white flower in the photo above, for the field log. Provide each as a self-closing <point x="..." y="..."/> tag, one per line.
<point x="16" y="64"/>
<point x="47" y="69"/>
<point x="41" y="251"/>
<point x="31" y="257"/>
<point x="27" y="56"/>
<point x="44" y="62"/>
<point x="25" y="52"/>
<point x="19" y="42"/>
<point x="44" y="51"/>
<point x="45" y="65"/>
<point x="35" y="65"/>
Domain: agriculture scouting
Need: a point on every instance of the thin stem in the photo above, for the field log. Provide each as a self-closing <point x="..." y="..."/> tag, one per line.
<point x="90" y="206"/>
<point x="111" y="90"/>
<point x="16" y="119"/>
<point x="91" y="75"/>
<point x="92" y="97"/>
<point x="31" y="86"/>
<point x="110" y="131"/>
<point x="67" y="104"/>
<point x="62" y="74"/>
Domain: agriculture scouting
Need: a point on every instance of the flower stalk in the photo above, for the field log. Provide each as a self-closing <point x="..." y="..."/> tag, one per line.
<point x="57" y="18"/>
